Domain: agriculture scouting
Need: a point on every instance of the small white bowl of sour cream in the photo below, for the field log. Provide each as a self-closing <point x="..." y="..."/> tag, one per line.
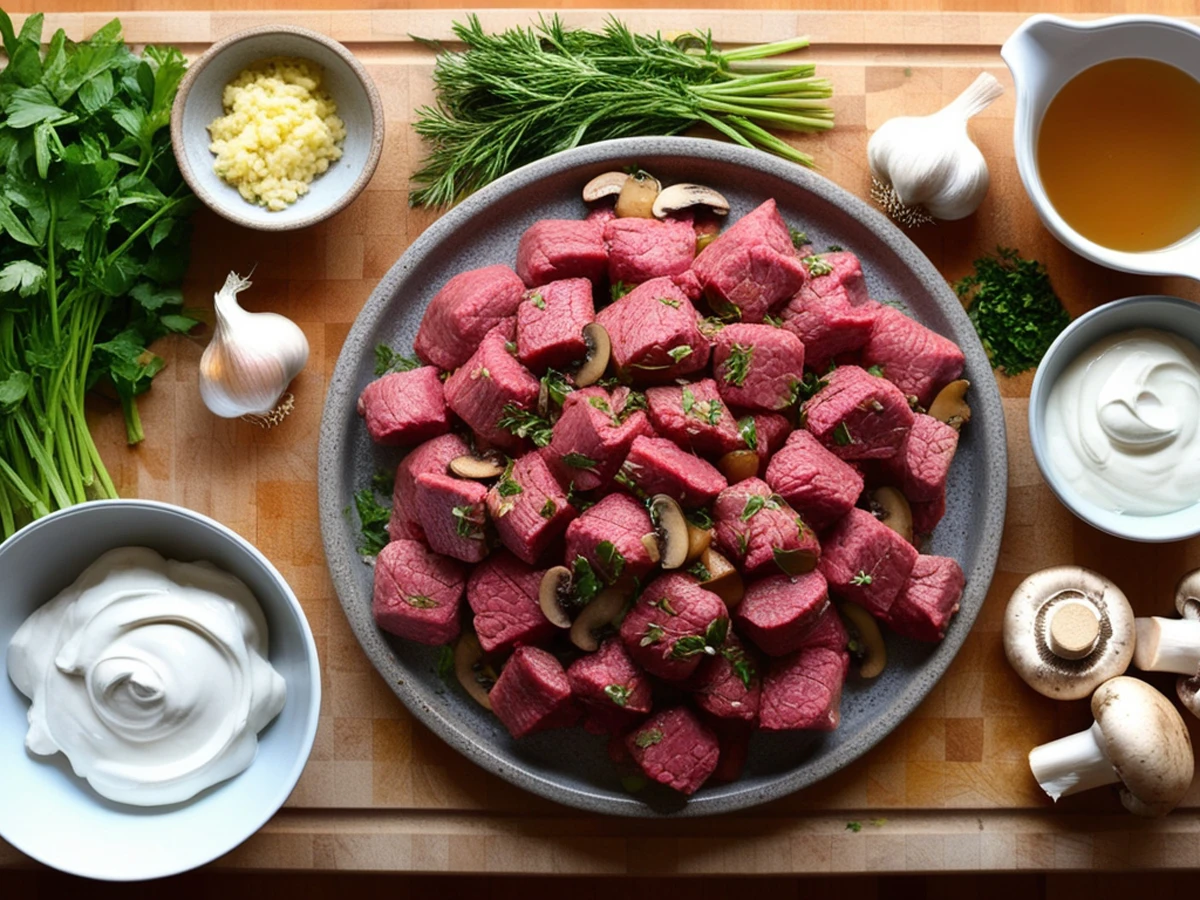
<point x="1114" y="418"/>
<point x="176" y="670"/>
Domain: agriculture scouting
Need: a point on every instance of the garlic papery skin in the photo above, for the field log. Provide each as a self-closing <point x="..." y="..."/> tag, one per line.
<point x="250" y="361"/>
<point x="930" y="162"/>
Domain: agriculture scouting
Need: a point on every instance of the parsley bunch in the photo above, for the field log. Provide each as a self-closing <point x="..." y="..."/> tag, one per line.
<point x="93" y="214"/>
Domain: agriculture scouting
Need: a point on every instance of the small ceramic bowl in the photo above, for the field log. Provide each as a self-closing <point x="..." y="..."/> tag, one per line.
<point x="198" y="103"/>
<point x="1171" y="314"/>
<point x="49" y="813"/>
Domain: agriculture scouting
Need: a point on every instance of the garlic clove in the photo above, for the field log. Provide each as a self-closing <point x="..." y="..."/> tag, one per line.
<point x="250" y="361"/>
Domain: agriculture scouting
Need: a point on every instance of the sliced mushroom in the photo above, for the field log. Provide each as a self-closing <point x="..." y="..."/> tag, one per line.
<point x="598" y="614"/>
<point x="608" y="184"/>
<point x="698" y="541"/>
<point x="724" y="579"/>
<point x="599" y="349"/>
<point x="478" y="468"/>
<point x="672" y="530"/>
<point x="636" y="199"/>
<point x="650" y="542"/>
<point x="556" y="583"/>
<point x="796" y="562"/>
<point x="891" y="508"/>
<point x="950" y="404"/>
<point x="871" y="651"/>
<point x="471" y="670"/>
<point x="738" y="465"/>
<point x="679" y="197"/>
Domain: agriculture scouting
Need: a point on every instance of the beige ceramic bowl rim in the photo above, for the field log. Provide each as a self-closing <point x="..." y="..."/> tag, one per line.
<point x="360" y="72"/>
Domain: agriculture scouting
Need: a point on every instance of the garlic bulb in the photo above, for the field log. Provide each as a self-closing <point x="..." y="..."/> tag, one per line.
<point x="927" y="167"/>
<point x="250" y="361"/>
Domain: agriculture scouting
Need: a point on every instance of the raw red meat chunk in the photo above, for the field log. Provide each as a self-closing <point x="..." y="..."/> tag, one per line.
<point x="655" y="333"/>
<point x="550" y="324"/>
<point x="866" y="562"/>
<point x="642" y="249"/>
<point x="608" y="681"/>
<point x="417" y="593"/>
<point x="922" y="466"/>
<point x="532" y="693"/>
<point x="929" y="599"/>
<point x="927" y="513"/>
<point x="469" y="306"/>
<point x="813" y="481"/>
<point x="453" y="514"/>
<point x="828" y="632"/>
<point x="658" y="466"/>
<point x="619" y="521"/>
<point x="804" y="690"/>
<point x="757" y="367"/>
<point x="405" y="408"/>
<point x="529" y="508"/>
<point x="831" y="313"/>
<point x="858" y="416"/>
<point x="727" y="685"/>
<point x="432" y="457"/>
<point x="490" y="380"/>
<point x="778" y="612"/>
<point x="669" y="627"/>
<point x="752" y="267"/>
<point x="733" y="738"/>
<point x="676" y="749"/>
<point x="919" y="361"/>
<point x="503" y="594"/>
<point x="760" y="533"/>
<point x="694" y="416"/>
<point x="561" y="248"/>
<point x="771" y="430"/>
<point x="592" y="437"/>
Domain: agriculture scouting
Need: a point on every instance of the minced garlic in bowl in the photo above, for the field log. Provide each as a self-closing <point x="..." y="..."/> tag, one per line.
<point x="279" y="132"/>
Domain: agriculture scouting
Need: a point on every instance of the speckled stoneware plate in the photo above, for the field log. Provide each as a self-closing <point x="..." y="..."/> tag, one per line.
<point x="570" y="766"/>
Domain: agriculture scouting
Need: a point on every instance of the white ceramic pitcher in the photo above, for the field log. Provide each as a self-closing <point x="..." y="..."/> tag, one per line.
<point x="1044" y="54"/>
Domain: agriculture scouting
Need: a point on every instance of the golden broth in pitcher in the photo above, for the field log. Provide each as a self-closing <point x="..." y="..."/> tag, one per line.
<point x="1119" y="154"/>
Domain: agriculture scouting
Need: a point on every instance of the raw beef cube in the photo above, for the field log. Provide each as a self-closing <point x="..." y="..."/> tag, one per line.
<point x="550" y="324"/>
<point x="670" y="625"/>
<point x="592" y="436"/>
<point x="813" y="481"/>
<point x="733" y="737"/>
<point x="757" y="367"/>
<point x="417" y="593"/>
<point x="922" y="466"/>
<point x="561" y="248"/>
<point x="927" y="513"/>
<point x="858" y="416"/>
<point x="619" y="521"/>
<point x="727" y="685"/>
<point x="532" y="693"/>
<point x="453" y="514"/>
<point x="771" y="430"/>
<point x="432" y="457"/>
<point x="923" y="609"/>
<point x="469" y="306"/>
<point x="601" y="214"/>
<point x="828" y="632"/>
<point x="529" y="508"/>
<point x="655" y="333"/>
<point x="777" y="613"/>
<point x="804" y="690"/>
<point x="760" y="533"/>
<point x="642" y="249"/>
<point x="919" y="361"/>
<point x="676" y="749"/>
<point x="831" y="313"/>
<point x="694" y="417"/>
<point x="866" y="562"/>
<point x="689" y="284"/>
<point x="609" y="680"/>
<point x="479" y="391"/>
<point x="659" y="466"/>
<point x="752" y="267"/>
<point x="405" y="408"/>
<point x="503" y="594"/>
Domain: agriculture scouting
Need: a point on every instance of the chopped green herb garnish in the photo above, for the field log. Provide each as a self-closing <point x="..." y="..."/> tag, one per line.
<point x="557" y="386"/>
<point x="773" y="321"/>
<point x="511" y="347"/>
<point x="680" y="353"/>
<point x="654" y="634"/>
<point x="648" y="738"/>
<point x="737" y="366"/>
<point x="617" y="693"/>
<point x="699" y="571"/>
<point x="742" y="667"/>
<point x="748" y="429"/>
<point x="799" y="238"/>
<point x="842" y="436"/>
<point x="689" y="401"/>
<point x="420" y="601"/>
<point x="619" y="290"/>
<point x="601" y="404"/>
<point x="579" y="461"/>
<point x="468" y="522"/>
<point x="388" y="360"/>
<point x="808" y="387"/>
<point x="383" y="483"/>
<point x="710" y="643"/>
<point x="577" y="500"/>
<point x="373" y="518"/>
<point x="834" y="248"/>
<point x="754" y="504"/>
<point x="538" y="300"/>
<point x="481" y="372"/>
<point x="876" y="370"/>
<point x="585" y="583"/>
<point x="862" y="578"/>
<point x="634" y="401"/>
<point x="508" y="486"/>
<point x="710" y="326"/>
<point x="669" y="301"/>
<point x="525" y="424"/>
<point x="816" y="266"/>
<point x="743" y="540"/>
<point x="700" y="517"/>
<point x="611" y="558"/>
<point x="664" y="603"/>
<point x="856" y="827"/>
<point x="549" y="508"/>
<point x="626" y="481"/>
<point x="445" y="661"/>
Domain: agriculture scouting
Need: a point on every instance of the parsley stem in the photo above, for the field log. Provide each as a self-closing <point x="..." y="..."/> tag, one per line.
<point x="759" y="51"/>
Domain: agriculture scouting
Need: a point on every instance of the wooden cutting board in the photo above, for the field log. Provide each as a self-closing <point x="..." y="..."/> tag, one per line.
<point x="949" y="789"/>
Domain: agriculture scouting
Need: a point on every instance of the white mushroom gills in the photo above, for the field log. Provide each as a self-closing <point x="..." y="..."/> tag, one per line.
<point x="1078" y="762"/>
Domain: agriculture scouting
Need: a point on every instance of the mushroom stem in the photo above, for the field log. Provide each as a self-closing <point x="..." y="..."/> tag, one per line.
<point x="1078" y="762"/>
<point x="1167" y="645"/>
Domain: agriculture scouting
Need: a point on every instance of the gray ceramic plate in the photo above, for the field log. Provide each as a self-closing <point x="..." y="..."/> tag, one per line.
<point x="569" y="765"/>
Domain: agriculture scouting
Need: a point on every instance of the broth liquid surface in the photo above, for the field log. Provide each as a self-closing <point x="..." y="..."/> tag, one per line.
<point x="1119" y="154"/>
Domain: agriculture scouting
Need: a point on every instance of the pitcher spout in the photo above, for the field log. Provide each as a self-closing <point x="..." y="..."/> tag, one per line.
<point x="1032" y="49"/>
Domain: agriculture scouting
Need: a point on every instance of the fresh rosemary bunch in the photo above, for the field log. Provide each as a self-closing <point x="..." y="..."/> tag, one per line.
<point x="514" y="97"/>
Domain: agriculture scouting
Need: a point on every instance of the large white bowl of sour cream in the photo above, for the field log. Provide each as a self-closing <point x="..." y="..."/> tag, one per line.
<point x="160" y="690"/>
<point x="1114" y="418"/>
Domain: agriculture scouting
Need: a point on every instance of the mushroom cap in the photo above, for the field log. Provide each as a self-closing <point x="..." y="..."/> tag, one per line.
<point x="1026" y="631"/>
<point x="1147" y="743"/>
<point x="1187" y="595"/>
<point x="1188" y="691"/>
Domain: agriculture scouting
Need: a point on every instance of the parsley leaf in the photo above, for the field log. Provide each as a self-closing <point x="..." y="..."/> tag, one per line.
<point x="654" y="634"/>
<point x="669" y="301"/>
<point x="799" y="238"/>
<point x="861" y="578"/>
<point x="445" y="661"/>
<point x="618" y="290"/>
<point x="525" y="424"/>
<point x="700" y="517"/>
<point x="549" y="508"/>
<point x="579" y="461"/>
<point x="648" y="738"/>
<point x="585" y="583"/>
<point x="816" y="266"/>
<point x="507" y="486"/>
<point x="617" y="693"/>
<point x="680" y="353"/>
<point x="611" y="558"/>
<point x="557" y="386"/>
<point x="388" y="360"/>
<point x="737" y="365"/>
<point x="699" y="571"/>
<point x="373" y="517"/>
<point x="420" y="601"/>
<point x="468" y="522"/>
<point x="748" y="429"/>
<point x="842" y="436"/>
<point x="754" y="503"/>
<point x="807" y="387"/>
<point x="538" y="301"/>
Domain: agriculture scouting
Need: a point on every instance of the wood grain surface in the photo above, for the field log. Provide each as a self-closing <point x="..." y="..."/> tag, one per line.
<point x="948" y="790"/>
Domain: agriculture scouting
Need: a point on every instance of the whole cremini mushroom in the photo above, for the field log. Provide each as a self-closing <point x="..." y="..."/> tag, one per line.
<point x="1173" y="645"/>
<point x="1067" y="630"/>
<point x="1138" y="740"/>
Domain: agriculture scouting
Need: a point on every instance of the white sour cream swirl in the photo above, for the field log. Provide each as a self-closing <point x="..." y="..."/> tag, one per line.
<point x="150" y="675"/>
<point x="1122" y="423"/>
